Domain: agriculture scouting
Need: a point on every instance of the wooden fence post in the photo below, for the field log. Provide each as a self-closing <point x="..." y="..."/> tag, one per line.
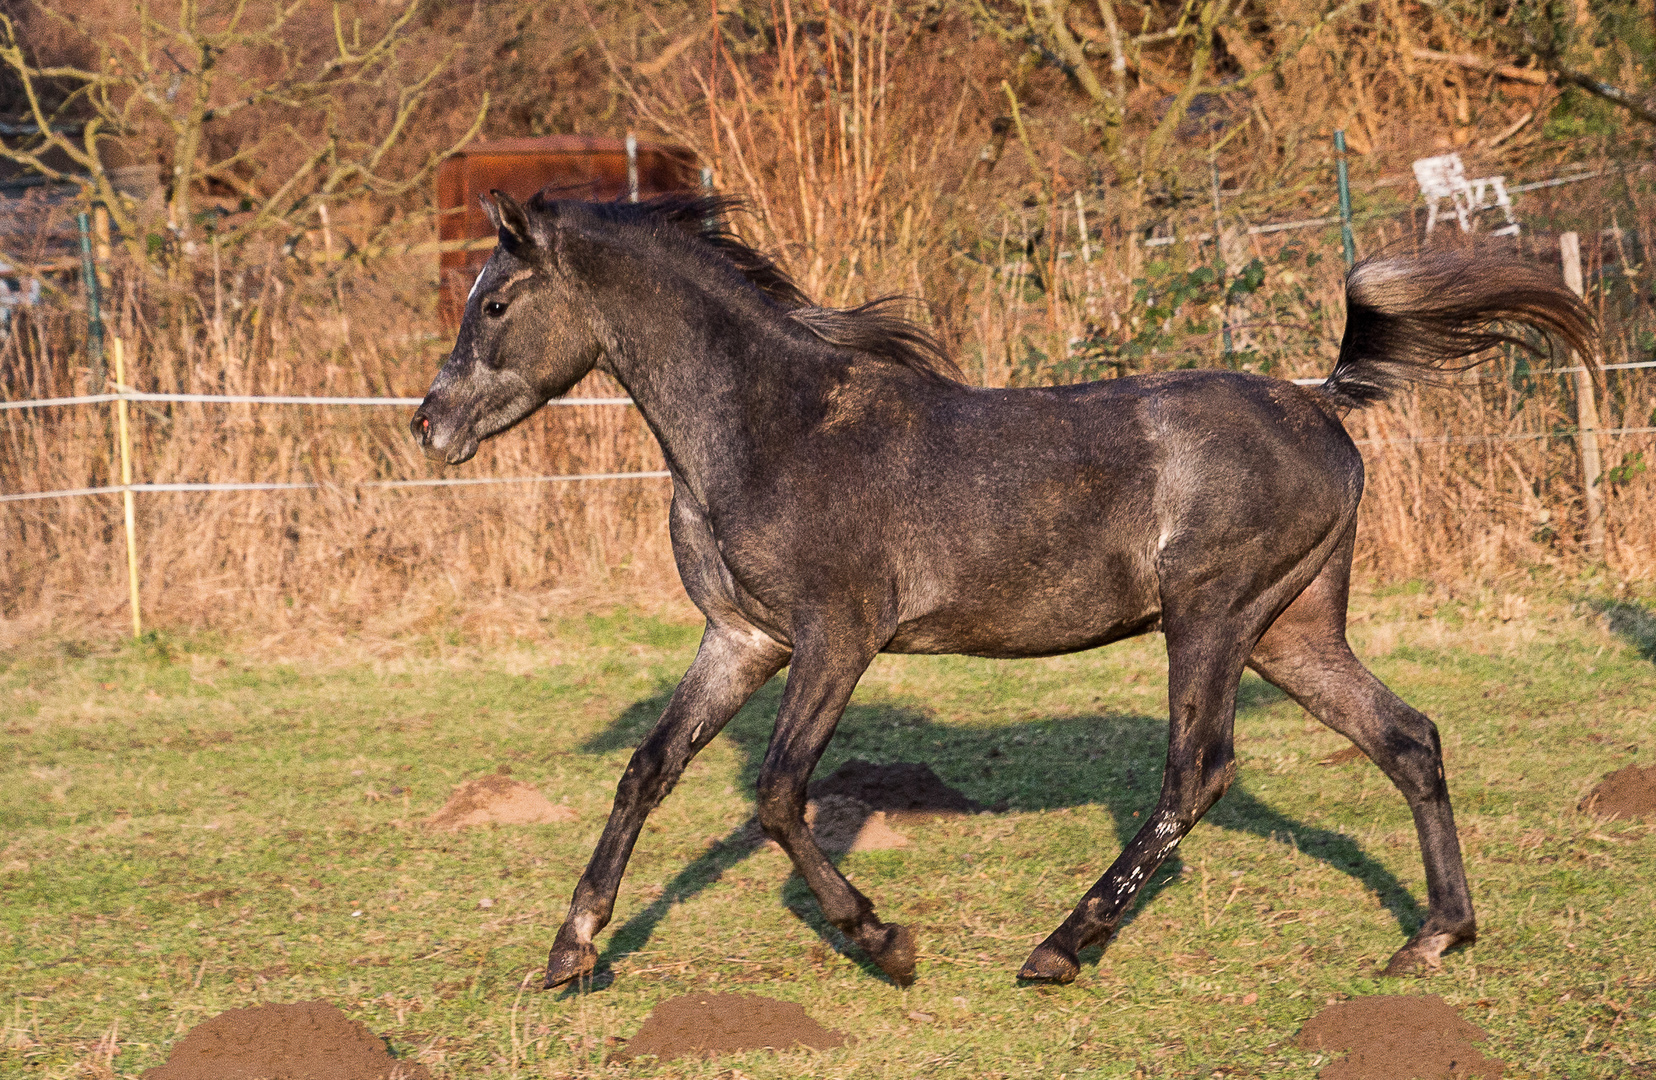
<point x="1587" y="421"/>
<point x="126" y="484"/>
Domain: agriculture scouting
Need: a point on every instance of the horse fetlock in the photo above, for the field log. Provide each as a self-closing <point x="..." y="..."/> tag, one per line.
<point x="892" y="948"/>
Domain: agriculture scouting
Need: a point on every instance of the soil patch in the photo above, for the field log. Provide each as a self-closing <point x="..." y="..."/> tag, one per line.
<point x="707" y="1024"/>
<point x="1398" y="1038"/>
<point x="496" y="800"/>
<point x="855" y="806"/>
<point x="308" y="1041"/>
<point x="1625" y="793"/>
<point x="842" y="823"/>
<point x="903" y="789"/>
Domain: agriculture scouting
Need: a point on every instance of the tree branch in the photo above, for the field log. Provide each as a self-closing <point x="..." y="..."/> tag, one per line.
<point x="1070" y="49"/>
<point x="1163" y="134"/>
<point x="1612" y="94"/>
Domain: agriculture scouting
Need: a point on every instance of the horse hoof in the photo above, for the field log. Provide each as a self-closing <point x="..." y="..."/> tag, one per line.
<point x="568" y="963"/>
<point x="1050" y="964"/>
<point x="1424" y="955"/>
<point x="1410" y="962"/>
<point x="895" y="955"/>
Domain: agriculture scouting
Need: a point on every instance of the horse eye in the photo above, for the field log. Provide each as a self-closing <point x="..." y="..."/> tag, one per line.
<point x="494" y="309"/>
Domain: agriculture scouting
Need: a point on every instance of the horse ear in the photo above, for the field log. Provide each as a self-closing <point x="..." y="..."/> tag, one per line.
<point x="510" y="220"/>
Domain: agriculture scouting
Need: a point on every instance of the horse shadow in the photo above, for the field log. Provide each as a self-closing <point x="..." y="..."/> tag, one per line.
<point x="1113" y="759"/>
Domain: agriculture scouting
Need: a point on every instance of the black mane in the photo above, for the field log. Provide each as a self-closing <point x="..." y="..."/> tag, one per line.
<point x="870" y="328"/>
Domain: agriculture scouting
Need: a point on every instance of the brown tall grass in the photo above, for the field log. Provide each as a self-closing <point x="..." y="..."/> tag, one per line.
<point x="869" y="143"/>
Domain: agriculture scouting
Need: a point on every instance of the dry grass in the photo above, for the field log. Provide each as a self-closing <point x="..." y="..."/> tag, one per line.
<point x="858" y="133"/>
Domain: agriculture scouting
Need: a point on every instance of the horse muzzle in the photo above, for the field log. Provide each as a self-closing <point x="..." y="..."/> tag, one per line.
<point x="448" y="442"/>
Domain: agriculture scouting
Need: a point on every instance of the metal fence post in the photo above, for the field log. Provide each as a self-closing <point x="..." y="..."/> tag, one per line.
<point x="1345" y="199"/>
<point x="632" y="167"/>
<point x="94" y="320"/>
<point x="1587" y="421"/>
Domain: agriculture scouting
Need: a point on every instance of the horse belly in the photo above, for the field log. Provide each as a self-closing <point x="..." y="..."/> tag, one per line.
<point x="1035" y="614"/>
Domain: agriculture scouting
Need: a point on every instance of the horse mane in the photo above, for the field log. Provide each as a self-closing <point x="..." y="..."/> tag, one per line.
<point x="871" y="328"/>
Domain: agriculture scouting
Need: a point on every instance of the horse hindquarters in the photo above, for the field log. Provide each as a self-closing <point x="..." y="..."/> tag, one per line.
<point x="1306" y="655"/>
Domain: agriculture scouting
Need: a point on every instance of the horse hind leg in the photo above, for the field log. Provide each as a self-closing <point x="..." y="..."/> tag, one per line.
<point x="1305" y="654"/>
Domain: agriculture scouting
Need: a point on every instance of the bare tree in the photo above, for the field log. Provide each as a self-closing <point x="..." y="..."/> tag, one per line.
<point x="292" y="105"/>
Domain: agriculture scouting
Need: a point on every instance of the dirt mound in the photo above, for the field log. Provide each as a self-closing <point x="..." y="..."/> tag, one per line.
<point x="708" y="1024"/>
<point x="839" y="823"/>
<point x="496" y="800"/>
<point x="842" y="823"/>
<point x="308" y="1041"/>
<point x="903" y="789"/>
<point x="1397" y="1038"/>
<point x="1625" y="793"/>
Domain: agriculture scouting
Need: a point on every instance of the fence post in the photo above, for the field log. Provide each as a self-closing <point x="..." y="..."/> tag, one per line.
<point x="632" y="167"/>
<point x="1345" y="199"/>
<point x="94" y="320"/>
<point x="1587" y="421"/>
<point x="126" y="485"/>
<point x="1219" y="267"/>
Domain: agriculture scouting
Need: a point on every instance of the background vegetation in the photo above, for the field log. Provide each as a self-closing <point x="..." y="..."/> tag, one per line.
<point x="945" y="149"/>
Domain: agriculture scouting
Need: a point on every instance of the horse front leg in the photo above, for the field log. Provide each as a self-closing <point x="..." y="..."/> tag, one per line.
<point x="820" y="682"/>
<point x="1204" y="667"/>
<point x="731" y="664"/>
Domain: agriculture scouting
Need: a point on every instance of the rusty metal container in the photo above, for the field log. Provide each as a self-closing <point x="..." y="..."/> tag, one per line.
<point x="572" y="166"/>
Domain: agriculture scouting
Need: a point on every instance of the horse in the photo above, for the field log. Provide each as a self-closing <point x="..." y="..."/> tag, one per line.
<point x="839" y="491"/>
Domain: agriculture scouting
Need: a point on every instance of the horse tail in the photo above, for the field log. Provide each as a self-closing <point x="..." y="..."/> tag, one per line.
<point x="1410" y="317"/>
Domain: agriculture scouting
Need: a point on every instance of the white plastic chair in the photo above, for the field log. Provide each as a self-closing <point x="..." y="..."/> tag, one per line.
<point x="1445" y="178"/>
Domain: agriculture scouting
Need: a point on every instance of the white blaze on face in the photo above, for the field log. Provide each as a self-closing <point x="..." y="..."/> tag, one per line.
<point x="478" y="280"/>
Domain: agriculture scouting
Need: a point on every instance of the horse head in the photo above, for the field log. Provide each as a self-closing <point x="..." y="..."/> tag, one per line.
<point x="528" y="335"/>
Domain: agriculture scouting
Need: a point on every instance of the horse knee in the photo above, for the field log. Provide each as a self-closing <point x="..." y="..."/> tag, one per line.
<point x="647" y="778"/>
<point x="781" y="807"/>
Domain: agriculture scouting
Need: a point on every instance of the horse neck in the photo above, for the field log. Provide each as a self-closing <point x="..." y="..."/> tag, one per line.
<point x="702" y="368"/>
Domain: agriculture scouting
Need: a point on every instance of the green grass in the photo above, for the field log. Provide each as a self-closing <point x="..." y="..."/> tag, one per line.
<point x="189" y="828"/>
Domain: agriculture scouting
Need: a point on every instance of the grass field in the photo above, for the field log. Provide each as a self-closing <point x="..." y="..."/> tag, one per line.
<point x="187" y="827"/>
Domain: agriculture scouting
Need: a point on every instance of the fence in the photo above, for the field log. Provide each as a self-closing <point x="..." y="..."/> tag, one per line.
<point x="126" y="489"/>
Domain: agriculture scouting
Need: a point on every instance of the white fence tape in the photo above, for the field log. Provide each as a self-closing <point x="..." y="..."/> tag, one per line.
<point x="456" y="482"/>
<point x="1543" y="371"/>
<point x="249" y="399"/>
<point x="1528" y="436"/>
